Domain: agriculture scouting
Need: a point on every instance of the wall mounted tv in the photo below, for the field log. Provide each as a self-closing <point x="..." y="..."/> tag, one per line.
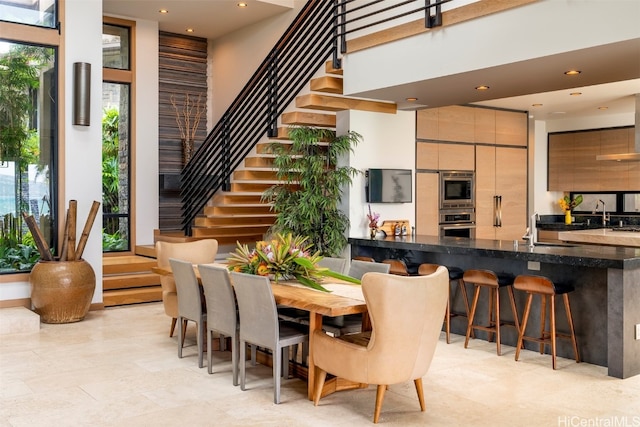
<point x="389" y="186"/>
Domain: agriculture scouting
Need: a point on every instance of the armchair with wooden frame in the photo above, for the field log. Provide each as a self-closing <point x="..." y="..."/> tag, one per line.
<point x="406" y="318"/>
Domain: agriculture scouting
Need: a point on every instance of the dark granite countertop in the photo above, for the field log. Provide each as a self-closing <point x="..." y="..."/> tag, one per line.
<point x="576" y="255"/>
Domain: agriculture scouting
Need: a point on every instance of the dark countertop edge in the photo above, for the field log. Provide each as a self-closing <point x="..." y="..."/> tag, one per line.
<point x="577" y="255"/>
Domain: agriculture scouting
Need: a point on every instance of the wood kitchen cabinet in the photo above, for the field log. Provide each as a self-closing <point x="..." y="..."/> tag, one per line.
<point x="573" y="166"/>
<point x="443" y="156"/>
<point x="427" y="203"/>
<point x="501" y="192"/>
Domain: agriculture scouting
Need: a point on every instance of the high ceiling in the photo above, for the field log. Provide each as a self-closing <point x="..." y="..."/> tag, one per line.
<point x="610" y="74"/>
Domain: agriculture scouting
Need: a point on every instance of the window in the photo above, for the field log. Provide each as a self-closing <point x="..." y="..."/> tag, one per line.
<point x="41" y="13"/>
<point x="28" y="140"/>
<point x="116" y="135"/>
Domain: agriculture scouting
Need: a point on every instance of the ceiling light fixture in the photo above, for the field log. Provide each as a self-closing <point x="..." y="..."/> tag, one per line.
<point x="189" y="30"/>
<point x="482" y="87"/>
<point x="163" y="11"/>
<point x="242" y="4"/>
<point x="572" y="72"/>
<point x="536" y="105"/>
<point x="603" y="108"/>
<point x="575" y="93"/>
<point x="411" y="99"/>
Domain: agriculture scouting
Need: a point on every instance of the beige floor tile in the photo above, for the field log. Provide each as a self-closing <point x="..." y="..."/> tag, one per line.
<point x="118" y="367"/>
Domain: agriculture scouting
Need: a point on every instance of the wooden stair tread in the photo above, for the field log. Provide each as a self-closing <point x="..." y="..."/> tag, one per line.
<point x="337" y="103"/>
<point x="126" y="264"/>
<point x="327" y="84"/>
<point x="132" y="296"/>
<point x="305" y="118"/>
<point x="125" y="281"/>
<point x="329" y="69"/>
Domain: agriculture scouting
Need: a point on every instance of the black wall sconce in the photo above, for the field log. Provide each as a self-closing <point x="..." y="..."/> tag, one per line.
<point x="81" y="93"/>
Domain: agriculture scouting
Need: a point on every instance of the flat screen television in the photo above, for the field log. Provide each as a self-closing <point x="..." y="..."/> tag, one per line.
<point x="389" y="186"/>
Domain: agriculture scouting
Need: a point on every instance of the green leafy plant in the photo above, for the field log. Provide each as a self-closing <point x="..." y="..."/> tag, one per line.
<point x="113" y="242"/>
<point x="284" y="257"/>
<point x="307" y="203"/>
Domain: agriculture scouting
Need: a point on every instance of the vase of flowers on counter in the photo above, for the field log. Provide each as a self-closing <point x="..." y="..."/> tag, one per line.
<point x="568" y="205"/>
<point x="284" y="257"/>
<point x="373" y="218"/>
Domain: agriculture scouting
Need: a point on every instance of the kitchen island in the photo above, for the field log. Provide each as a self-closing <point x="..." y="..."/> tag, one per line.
<point x="602" y="236"/>
<point x="605" y="304"/>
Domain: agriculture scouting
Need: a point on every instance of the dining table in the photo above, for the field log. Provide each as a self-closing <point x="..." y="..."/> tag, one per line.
<point x="343" y="299"/>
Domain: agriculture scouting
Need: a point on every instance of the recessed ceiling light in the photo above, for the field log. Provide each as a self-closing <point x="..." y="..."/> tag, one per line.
<point x="242" y="4"/>
<point x="189" y="30"/>
<point x="603" y="108"/>
<point x="482" y="87"/>
<point x="572" y="72"/>
<point x="163" y="11"/>
<point x="536" y="105"/>
<point x="559" y="112"/>
<point x="412" y="99"/>
<point x="575" y="93"/>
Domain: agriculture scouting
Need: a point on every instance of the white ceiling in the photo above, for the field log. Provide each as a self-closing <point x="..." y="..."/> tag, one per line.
<point x="209" y="19"/>
<point x="610" y="74"/>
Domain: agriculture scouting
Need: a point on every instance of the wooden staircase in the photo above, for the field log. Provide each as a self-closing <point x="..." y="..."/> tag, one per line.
<point x="240" y="214"/>
<point x="129" y="280"/>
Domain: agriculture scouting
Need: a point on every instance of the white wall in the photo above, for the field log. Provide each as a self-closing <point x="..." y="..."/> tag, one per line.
<point x="388" y="141"/>
<point x="147" y="166"/>
<point x="83" y="144"/>
<point x="235" y="57"/>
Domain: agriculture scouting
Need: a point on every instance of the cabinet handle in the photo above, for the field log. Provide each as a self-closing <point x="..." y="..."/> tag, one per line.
<point x="497" y="211"/>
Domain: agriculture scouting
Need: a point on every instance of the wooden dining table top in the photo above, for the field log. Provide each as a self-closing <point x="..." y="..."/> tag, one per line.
<point x="293" y="294"/>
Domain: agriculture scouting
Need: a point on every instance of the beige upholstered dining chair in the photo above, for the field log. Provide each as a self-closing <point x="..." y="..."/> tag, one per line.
<point x="197" y="252"/>
<point x="358" y="268"/>
<point x="259" y="325"/>
<point x="190" y="304"/>
<point x="222" y="316"/>
<point x="406" y="316"/>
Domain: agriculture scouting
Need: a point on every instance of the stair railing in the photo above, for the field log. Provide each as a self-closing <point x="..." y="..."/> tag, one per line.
<point x="319" y="30"/>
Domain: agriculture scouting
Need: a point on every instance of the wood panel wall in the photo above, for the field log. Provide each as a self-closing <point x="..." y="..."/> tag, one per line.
<point x="182" y="71"/>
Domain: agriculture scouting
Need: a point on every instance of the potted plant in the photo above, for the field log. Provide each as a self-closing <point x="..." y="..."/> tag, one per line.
<point x="307" y="203"/>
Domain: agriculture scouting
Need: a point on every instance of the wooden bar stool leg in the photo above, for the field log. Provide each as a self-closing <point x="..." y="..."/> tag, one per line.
<point x="543" y="320"/>
<point x="525" y="318"/>
<point x="465" y="299"/>
<point x="447" y="319"/>
<point x="497" y="307"/>
<point x="472" y="314"/>
<point x="571" y="328"/>
<point x="552" y="315"/>
<point x="492" y="320"/>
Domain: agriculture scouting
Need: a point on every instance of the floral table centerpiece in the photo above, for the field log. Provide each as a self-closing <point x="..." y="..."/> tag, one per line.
<point x="284" y="257"/>
<point x="567" y="205"/>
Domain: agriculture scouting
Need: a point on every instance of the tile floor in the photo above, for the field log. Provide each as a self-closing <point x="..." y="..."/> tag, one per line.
<point x="118" y="367"/>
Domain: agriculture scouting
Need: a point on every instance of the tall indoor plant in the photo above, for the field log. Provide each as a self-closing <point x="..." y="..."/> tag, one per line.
<point x="307" y="204"/>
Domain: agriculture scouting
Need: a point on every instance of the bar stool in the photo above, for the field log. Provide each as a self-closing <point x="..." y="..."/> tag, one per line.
<point x="397" y="267"/>
<point x="546" y="289"/>
<point x="455" y="275"/>
<point x="492" y="281"/>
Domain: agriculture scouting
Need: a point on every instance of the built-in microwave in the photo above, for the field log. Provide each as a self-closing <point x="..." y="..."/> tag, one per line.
<point x="457" y="190"/>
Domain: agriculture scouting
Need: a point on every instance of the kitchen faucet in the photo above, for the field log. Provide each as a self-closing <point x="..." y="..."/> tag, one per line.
<point x="532" y="232"/>
<point x="605" y="217"/>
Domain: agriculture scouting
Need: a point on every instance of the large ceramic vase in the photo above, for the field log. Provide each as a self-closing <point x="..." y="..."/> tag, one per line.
<point x="61" y="291"/>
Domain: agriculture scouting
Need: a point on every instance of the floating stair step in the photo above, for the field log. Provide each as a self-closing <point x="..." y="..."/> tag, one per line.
<point x="327" y="84"/>
<point x="303" y="118"/>
<point x="259" y="162"/>
<point x="237" y="210"/>
<point x="283" y="134"/>
<point x="126" y="264"/>
<point x="265" y="148"/>
<point x="236" y="197"/>
<point x="230" y="230"/>
<point x="255" y="174"/>
<point x="337" y="103"/>
<point x="329" y="69"/>
<point x="240" y="186"/>
<point x="132" y="296"/>
<point x="237" y="220"/>
<point x="125" y="281"/>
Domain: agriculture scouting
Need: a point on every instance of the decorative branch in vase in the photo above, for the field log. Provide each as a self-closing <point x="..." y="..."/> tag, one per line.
<point x="188" y="117"/>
